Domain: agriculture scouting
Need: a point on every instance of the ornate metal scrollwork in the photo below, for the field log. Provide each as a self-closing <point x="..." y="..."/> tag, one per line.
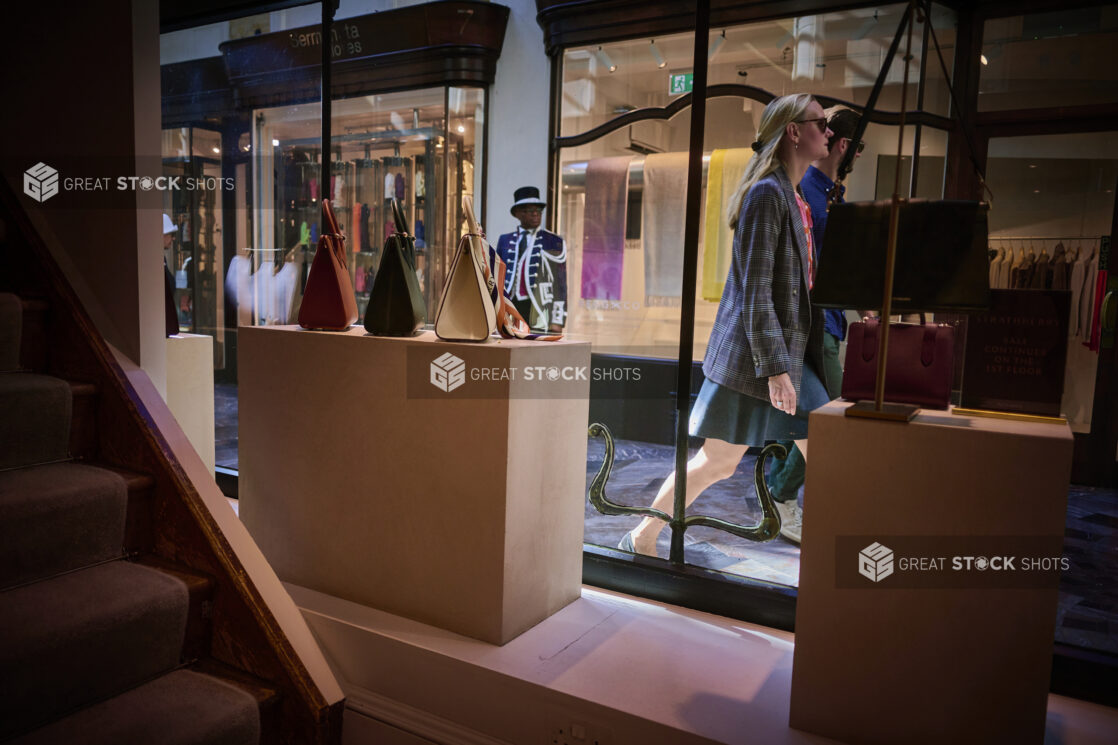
<point x="766" y="529"/>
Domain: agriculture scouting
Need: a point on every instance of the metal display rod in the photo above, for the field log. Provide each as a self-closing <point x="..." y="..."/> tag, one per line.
<point x="329" y="7"/>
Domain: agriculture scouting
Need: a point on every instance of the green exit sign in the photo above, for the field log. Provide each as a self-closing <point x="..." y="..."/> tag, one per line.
<point x="680" y="82"/>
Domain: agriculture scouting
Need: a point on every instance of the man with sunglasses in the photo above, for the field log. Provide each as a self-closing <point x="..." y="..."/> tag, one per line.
<point x="787" y="476"/>
<point x="535" y="265"/>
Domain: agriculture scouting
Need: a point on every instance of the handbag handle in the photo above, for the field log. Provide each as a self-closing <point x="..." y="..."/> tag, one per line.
<point x="927" y="348"/>
<point x="331" y="233"/>
<point x="399" y="217"/>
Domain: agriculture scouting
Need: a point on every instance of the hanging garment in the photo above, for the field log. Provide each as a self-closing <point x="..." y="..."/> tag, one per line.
<point x="995" y="265"/>
<point x="1040" y="279"/>
<point x="363" y="228"/>
<point x="725" y="171"/>
<point x="355" y="228"/>
<point x="400" y="187"/>
<point x="389" y="186"/>
<point x="1076" y="273"/>
<point x="1059" y="268"/>
<point x="662" y="224"/>
<point x="1087" y="295"/>
<point x="603" y="234"/>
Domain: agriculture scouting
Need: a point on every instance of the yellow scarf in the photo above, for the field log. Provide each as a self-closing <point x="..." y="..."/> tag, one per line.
<point x="725" y="171"/>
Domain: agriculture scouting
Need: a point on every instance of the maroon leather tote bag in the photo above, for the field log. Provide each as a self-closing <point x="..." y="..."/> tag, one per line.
<point x="919" y="369"/>
<point x="328" y="299"/>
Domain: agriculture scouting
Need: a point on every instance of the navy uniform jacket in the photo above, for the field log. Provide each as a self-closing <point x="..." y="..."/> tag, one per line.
<point x="544" y="265"/>
<point x="765" y="323"/>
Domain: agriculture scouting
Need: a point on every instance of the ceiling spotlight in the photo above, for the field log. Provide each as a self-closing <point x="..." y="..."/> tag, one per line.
<point x="718" y="42"/>
<point x="605" y="60"/>
<point x="660" y="63"/>
<point x="275" y="143"/>
<point x="983" y="60"/>
<point x="461" y="128"/>
<point x="217" y="150"/>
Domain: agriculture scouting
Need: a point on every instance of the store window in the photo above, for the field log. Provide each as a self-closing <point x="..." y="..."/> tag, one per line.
<point x="621" y="167"/>
<point x="1063" y="58"/>
<point x="242" y="110"/>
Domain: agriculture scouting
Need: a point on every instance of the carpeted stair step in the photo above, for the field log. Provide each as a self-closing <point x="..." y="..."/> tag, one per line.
<point x="11" y="331"/>
<point x="83" y="420"/>
<point x="199" y="589"/>
<point x="83" y="637"/>
<point x="58" y="517"/>
<point x="35" y="412"/>
<point x="138" y="535"/>
<point x="181" y="708"/>
<point x="266" y="697"/>
<point x="33" y="350"/>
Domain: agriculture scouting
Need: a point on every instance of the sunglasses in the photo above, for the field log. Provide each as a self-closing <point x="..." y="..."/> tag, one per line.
<point x="821" y="122"/>
<point x="859" y="146"/>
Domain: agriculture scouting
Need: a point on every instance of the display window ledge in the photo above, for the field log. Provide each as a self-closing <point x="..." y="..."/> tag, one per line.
<point x="609" y="667"/>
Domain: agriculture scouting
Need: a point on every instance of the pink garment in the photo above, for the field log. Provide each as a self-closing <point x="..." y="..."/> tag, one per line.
<point x="603" y="232"/>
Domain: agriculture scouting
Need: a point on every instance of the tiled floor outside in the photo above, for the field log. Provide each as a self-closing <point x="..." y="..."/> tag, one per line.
<point x="1088" y="609"/>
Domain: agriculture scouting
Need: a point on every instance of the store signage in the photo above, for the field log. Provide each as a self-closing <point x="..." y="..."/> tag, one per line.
<point x="680" y="82"/>
<point x="1016" y="353"/>
<point x="430" y="25"/>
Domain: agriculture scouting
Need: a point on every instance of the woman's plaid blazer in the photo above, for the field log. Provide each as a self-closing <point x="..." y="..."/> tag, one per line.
<point x="764" y="325"/>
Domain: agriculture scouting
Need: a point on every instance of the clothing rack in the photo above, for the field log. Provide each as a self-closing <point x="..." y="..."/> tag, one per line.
<point x="1044" y="237"/>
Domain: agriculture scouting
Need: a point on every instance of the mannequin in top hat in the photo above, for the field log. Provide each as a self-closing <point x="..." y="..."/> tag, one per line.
<point x="536" y="265"/>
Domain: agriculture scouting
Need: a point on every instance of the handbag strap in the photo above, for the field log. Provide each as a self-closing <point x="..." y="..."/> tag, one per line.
<point x="399" y="218"/>
<point x="927" y="346"/>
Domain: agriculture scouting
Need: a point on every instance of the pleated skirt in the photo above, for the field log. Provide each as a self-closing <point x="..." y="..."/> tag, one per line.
<point x="728" y="415"/>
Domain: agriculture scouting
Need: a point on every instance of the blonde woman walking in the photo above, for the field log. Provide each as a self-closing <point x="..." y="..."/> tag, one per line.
<point x="763" y="364"/>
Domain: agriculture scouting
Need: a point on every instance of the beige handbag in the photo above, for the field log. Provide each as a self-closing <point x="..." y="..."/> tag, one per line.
<point x="466" y="311"/>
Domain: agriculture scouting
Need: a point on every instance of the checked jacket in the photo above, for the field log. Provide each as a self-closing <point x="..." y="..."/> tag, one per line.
<point x="765" y="323"/>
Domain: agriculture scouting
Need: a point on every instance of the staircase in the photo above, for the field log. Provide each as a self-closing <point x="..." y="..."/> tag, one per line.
<point x="124" y="617"/>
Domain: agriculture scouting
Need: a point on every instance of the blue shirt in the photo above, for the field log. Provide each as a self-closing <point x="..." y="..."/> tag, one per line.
<point x="815" y="186"/>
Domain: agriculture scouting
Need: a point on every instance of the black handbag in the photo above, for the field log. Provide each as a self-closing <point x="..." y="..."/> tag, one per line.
<point x="396" y="306"/>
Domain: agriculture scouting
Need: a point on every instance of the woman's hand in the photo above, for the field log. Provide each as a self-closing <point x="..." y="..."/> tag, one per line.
<point x="782" y="394"/>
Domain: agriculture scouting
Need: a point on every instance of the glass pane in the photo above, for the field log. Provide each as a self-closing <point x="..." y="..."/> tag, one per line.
<point x="1053" y="195"/>
<point x="1056" y="193"/>
<point x="833" y="54"/>
<point x="642" y="319"/>
<point x="1064" y="58"/>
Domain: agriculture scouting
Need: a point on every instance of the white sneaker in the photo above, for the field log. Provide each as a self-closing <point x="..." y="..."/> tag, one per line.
<point x="791" y="520"/>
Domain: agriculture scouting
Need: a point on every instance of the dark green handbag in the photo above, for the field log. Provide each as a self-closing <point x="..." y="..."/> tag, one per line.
<point x="396" y="306"/>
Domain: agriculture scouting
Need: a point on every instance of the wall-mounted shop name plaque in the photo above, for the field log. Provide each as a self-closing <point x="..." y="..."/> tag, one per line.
<point x="1016" y="353"/>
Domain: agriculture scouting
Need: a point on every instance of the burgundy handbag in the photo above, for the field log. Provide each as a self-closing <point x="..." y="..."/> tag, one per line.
<point x="919" y="369"/>
<point x="328" y="299"/>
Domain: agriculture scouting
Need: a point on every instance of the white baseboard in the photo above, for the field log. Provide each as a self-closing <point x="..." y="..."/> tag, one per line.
<point x="414" y="721"/>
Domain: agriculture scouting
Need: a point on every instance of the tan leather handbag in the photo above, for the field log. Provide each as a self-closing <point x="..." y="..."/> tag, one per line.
<point x="328" y="299"/>
<point x="466" y="311"/>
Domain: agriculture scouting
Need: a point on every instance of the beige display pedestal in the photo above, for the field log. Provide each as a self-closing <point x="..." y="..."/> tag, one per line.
<point x="361" y="478"/>
<point x="190" y="391"/>
<point x="875" y="664"/>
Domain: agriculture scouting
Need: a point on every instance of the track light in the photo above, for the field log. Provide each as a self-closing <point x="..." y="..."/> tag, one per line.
<point x="660" y="63"/>
<point x="983" y="60"/>
<point x="718" y="42"/>
<point x="605" y="60"/>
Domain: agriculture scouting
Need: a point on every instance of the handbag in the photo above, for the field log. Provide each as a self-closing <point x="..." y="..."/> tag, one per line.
<point x="919" y="367"/>
<point x="396" y="306"/>
<point x="328" y="299"/>
<point x="466" y="310"/>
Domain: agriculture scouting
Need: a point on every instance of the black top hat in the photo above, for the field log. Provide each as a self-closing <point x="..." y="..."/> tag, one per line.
<point x="527" y="195"/>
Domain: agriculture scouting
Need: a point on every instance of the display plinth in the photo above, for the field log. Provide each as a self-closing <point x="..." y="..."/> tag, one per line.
<point x="924" y="656"/>
<point x="457" y="502"/>
<point x="190" y="391"/>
